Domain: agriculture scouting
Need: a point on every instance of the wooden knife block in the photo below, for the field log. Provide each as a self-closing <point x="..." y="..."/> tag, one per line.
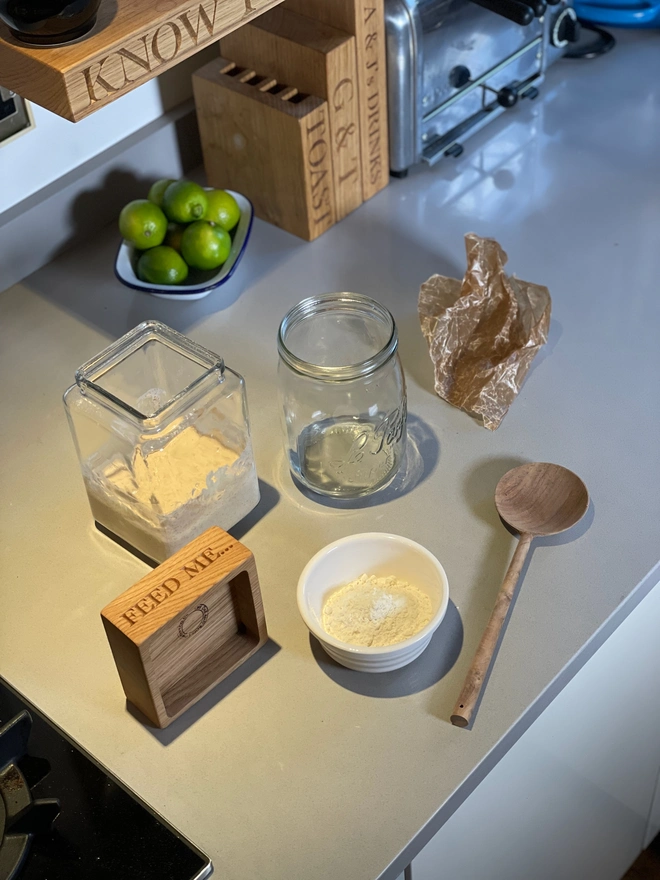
<point x="319" y="60"/>
<point x="186" y="625"/>
<point x="269" y="142"/>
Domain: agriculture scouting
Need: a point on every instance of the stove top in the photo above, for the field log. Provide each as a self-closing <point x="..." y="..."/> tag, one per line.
<point x="64" y="818"/>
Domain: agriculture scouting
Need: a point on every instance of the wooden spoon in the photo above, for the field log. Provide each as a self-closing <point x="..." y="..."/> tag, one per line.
<point x="534" y="499"/>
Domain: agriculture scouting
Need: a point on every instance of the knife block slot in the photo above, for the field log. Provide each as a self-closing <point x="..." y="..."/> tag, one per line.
<point x="232" y="69"/>
<point x="263" y="83"/>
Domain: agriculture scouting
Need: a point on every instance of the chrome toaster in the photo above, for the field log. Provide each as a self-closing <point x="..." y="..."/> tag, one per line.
<point x="454" y="65"/>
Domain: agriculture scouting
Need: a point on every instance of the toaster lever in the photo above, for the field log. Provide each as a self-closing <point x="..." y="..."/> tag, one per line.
<point x="507" y="96"/>
<point x="514" y="10"/>
<point x="454" y="151"/>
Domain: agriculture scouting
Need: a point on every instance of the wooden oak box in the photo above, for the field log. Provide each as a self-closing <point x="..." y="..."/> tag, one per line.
<point x="186" y="625"/>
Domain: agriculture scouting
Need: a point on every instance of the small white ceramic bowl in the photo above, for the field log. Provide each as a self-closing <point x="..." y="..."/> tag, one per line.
<point x="379" y="554"/>
<point x="199" y="283"/>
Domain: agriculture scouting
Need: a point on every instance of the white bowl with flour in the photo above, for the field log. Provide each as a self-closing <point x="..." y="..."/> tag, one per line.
<point x="396" y="569"/>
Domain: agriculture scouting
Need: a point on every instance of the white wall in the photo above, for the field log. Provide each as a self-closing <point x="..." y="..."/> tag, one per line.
<point x="57" y="146"/>
<point x="572" y="799"/>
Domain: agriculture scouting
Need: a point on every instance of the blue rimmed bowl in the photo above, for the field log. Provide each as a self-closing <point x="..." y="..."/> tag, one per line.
<point x="199" y="283"/>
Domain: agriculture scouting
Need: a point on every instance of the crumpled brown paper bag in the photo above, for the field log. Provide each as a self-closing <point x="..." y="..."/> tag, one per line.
<point x="483" y="332"/>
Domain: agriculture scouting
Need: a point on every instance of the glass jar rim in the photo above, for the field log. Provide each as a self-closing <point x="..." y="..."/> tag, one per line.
<point x="87" y="376"/>
<point x="314" y="305"/>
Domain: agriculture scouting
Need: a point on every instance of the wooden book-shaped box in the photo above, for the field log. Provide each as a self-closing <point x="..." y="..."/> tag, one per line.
<point x="186" y="625"/>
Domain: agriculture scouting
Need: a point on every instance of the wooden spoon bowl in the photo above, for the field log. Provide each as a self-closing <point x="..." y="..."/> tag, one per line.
<point x="541" y="498"/>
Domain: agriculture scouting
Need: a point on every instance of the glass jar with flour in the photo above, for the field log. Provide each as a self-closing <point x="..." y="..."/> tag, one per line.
<point x="162" y="433"/>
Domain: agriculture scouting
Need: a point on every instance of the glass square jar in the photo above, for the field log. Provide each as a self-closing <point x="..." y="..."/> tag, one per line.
<point x="163" y="437"/>
<point x="342" y="394"/>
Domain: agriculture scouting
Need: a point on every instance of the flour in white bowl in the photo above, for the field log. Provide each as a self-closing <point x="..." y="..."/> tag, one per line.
<point x="376" y="611"/>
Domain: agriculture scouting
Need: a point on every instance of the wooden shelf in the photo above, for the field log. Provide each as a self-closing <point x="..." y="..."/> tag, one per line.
<point x="132" y="41"/>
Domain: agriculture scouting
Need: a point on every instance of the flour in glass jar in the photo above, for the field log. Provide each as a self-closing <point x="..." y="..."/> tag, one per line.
<point x="376" y="611"/>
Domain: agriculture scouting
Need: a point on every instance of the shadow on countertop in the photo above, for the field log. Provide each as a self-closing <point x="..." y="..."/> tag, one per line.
<point x="269" y="498"/>
<point x="362" y="254"/>
<point x="80" y="278"/>
<point x="219" y="692"/>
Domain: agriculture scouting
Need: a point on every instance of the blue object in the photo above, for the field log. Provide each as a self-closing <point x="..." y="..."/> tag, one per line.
<point x="198" y="283"/>
<point x="620" y="13"/>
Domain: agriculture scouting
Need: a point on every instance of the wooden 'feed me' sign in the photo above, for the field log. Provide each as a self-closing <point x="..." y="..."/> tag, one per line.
<point x="186" y="625"/>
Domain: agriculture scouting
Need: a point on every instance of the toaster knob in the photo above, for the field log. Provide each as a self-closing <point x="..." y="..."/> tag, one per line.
<point x="459" y="76"/>
<point x="507" y="97"/>
<point x="566" y="28"/>
<point x="539" y="7"/>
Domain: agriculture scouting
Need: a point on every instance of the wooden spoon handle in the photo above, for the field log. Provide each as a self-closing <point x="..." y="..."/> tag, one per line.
<point x="475" y="678"/>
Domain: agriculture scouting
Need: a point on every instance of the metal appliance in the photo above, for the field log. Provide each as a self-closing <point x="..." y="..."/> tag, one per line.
<point x="455" y="65"/>
<point x="63" y="817"/>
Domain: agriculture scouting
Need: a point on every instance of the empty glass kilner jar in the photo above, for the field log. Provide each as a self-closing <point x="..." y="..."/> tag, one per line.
<point x="342" y="393"/>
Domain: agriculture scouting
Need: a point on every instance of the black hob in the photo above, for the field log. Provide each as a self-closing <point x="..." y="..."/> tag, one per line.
<point x="64" y="818"/>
